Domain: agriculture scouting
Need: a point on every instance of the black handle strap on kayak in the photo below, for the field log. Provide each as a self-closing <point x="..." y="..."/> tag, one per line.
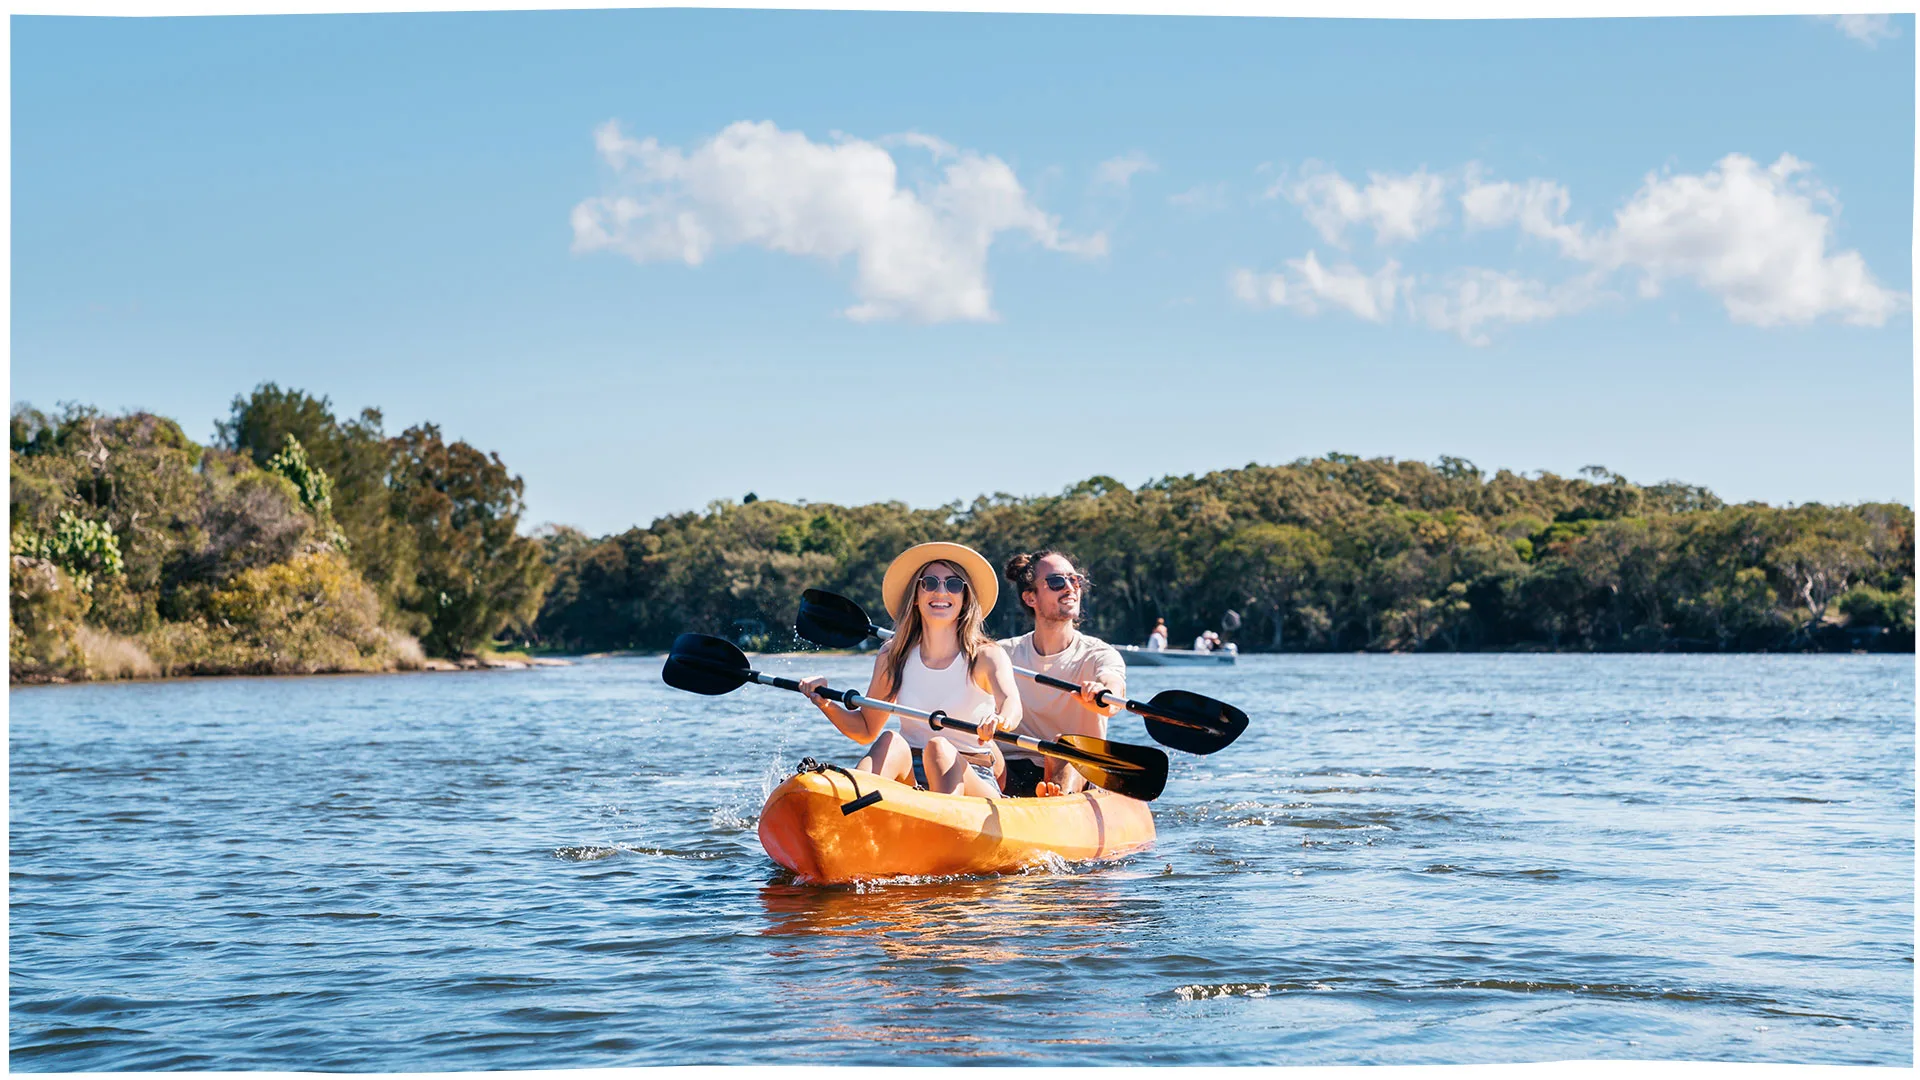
<point x="860" y="802"/>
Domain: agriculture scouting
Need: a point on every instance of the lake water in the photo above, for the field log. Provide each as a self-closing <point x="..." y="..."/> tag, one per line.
<point x="1406" y="859"/>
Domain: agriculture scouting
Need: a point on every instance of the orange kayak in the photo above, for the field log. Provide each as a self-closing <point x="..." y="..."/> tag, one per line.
<point x="912" y="832"/>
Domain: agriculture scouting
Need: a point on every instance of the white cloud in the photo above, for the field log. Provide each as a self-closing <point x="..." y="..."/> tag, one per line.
<point x="1119" y="172"/>
<point x="919" y="253"/>
<point x="1474" y="298"/>
<point x="1307" y="286"/>
<point x="1755" y="238"/>
<point x="1868" y="28"/>
<point x="1399" y="208"/>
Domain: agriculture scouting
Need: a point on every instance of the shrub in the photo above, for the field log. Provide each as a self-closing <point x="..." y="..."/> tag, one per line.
<point x="1864" y="605"/>
<point x="80" y="547"/>
<point x="46" y="607"/>
<point x="309" y="614"/>
<point x="250" y="520"/>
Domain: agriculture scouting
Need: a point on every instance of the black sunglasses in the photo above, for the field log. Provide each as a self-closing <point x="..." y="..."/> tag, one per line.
<point x="955" y="583"/>
<point x="1058" y="582"/>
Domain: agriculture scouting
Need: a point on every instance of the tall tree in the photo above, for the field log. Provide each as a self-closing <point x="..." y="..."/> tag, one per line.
<point x="477" y="576"/>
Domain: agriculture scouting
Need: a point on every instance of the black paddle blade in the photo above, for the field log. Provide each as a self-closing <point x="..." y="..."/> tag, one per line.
<point x="1193" y="722"/>
<point x="831" y="620"/>
<point x="1138" y="772"/>
<point x="705" y="665"/>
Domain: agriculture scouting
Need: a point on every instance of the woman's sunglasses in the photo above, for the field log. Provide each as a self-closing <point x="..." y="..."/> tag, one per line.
<point x="1058" y="582"/>
<point x="955" y="584"/>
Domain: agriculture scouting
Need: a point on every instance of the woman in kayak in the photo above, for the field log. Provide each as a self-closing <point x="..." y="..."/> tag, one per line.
<point x="940" y="658"/>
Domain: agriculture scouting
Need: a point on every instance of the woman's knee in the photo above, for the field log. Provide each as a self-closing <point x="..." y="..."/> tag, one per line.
<point x="890" y="752"/>
<point x="939" y="754"/>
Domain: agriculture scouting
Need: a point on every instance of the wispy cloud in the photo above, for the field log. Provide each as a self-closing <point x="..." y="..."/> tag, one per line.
<point x="1871" y="29"/>
<point x="1537" y="207"/>
<point x="920" y="253"/>
<point x="1201" y="197"/>
<point x="1399" y="208"/>
<point x="1119" y="171"/>
<point x="1308" y="286"/>
<point x="1759" y="239"/>
<point x="1471" y="299"/>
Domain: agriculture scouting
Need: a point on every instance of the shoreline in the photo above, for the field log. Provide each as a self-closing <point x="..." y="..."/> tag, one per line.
<point x="431" y="666"/>
<point x="471" y="664"/>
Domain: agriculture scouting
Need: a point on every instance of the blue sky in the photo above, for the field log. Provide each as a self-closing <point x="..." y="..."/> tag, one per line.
<point x="655" y="258"/>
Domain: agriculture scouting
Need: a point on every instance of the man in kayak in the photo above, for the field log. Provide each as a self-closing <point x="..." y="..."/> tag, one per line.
<point x="941" y="659"/>
<point x="1051" y="588"/>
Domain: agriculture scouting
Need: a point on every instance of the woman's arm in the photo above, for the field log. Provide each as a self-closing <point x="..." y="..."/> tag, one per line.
<point x="864" y="725"/>
<point x="996" y="677"/>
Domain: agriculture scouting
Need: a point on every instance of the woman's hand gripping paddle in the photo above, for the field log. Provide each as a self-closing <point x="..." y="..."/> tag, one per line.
<point x="1181" y="719"/>
<point x="713" y="666"/>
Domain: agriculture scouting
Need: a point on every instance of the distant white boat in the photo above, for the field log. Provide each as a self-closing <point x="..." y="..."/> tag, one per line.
<point x="1139" y="657"/>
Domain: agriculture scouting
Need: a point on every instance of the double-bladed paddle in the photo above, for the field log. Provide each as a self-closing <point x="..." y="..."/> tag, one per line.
<point x="713" y="666"/>
<point x="1181" y="719"/>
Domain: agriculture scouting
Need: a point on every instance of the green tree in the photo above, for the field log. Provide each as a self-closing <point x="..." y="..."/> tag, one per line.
<point x="1818" y="569"/>
<point x="477" y="576"/>
<point x="1272" y="564"/>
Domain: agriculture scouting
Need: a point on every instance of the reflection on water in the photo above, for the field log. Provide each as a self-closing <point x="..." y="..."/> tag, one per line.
<point x="945" y="948"/>
<point x="969" y="920"/>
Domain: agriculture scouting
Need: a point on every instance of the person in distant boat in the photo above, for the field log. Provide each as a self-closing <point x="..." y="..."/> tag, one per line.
<point x="1157" y="641"/>
<point x="1051" y="588"/>
<point x="1203" y="643"/>
<point x="939" y="658"/>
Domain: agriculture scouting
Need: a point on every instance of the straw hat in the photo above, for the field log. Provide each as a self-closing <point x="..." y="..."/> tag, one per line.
<point x="897" y="586"/>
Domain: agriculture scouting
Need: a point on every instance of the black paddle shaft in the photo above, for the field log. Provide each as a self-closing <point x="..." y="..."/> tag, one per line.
<point x="1101" y="698"/>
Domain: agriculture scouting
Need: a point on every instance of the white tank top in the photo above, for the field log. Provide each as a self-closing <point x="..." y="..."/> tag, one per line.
<point x="947" y="688"/>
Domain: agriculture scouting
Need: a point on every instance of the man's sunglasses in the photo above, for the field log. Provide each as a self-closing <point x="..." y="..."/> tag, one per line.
<point x="955" y="584"/>
<point x="1058" y="582"/>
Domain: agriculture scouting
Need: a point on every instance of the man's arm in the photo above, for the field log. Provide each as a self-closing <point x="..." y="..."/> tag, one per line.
<point x="1110" y="671"/>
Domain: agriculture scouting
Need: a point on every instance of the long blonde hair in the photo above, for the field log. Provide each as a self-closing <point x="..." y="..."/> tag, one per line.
<point x="970" y="627"/>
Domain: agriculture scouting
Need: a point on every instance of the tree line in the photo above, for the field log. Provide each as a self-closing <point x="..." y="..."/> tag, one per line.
<point x="1329" y="553"/>
<point x="299" y="541"/>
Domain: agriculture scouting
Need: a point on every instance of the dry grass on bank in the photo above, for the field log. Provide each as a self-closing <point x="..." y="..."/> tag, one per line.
<point x="106" y="655"/>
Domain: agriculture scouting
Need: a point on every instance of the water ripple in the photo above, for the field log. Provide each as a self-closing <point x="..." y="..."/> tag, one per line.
<point x="1404" y="860"/>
